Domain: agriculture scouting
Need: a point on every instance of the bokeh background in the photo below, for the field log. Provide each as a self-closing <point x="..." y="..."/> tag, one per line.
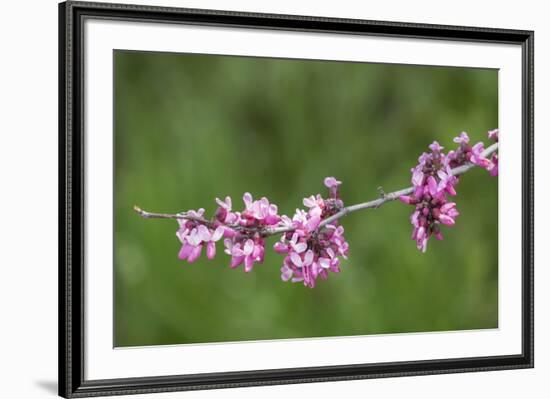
<point x="189" y="128"/>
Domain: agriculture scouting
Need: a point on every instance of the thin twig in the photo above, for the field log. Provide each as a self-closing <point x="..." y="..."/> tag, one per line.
<point x="154" y="215"/>
<point x="385" y="197"/>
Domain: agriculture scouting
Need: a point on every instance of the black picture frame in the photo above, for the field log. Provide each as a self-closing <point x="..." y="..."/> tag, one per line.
<point x="71" y="200"/>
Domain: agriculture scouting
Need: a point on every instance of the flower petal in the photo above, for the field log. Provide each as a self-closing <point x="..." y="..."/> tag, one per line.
<point x="218" y="233"/>
<point x="432" y="185"/>
<point x="296" y="259"/>
<point x="211" y="250"/>
<point x="324" y="262"/>
<point x="248" y="247"/>
<point x="203" y="233"/>
<point x="447" y="220"/>
<point x="194" y="238"/>
<point x="286" y="273"/>
<point x="308" y="258"/>
<point x="185" y="251"/>
<point x="248" y="263"/>
<point x="300" y="247"/>
<point x="331" y="182"/>
<point x="418" y="177"/>
<point x="195" y="253"/>
<point x="247" y="198"/>
<point x="236" y="261"/>
<point x="313" y="222"/>
<point x="309" y="201"/>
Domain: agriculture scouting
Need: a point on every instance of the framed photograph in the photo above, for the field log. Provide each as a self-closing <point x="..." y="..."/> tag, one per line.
<point x="252" y="199"/>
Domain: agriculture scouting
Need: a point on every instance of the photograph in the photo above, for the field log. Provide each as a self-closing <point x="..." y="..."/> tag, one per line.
<point x="261" y="198"/>
<point x="245" y="199"/>
<point x="254" y="199"/>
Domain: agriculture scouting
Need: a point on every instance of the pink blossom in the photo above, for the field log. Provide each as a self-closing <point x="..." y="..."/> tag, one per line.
<point x="417" y="177"/>
<point x="332" y="184"/>
<point x="249" y="247"/>
<point x="316" y="205"/>
<point x="446" y="214"/>
<point x="493" y="166"/>
<point x="312" y="252"/>
<point x="210" y="238"/>
<point x="447" y="181"/>
<point x="433" y="180"/>
<point x="248" y="252"/>
<point x="281" y="247"/>
<point x="435" y="147"/>
<point x="259" y="212"/>
<point x="303" y="260"/>
<point x="408" y="199"/>
<point x="477" y="155"/>
<point x="286" y="273"/>
<point x="493" y="135"/>
<point x="244" y="246"/>
<point x="224" y="213"/>
<point x="193" y="236"/>
<point x="462" y="138"/>
<point x="489" y="164"/>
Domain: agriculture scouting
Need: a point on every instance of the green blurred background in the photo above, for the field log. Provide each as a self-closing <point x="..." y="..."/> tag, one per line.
<point x="189" y="128"/>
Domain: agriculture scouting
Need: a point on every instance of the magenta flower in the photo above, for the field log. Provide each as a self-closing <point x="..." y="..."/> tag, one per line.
<point x="247" y="246"/>
<point x="418" y="177"/>
<point x="224" y="214"/>
<point x="489" y="164"/>
<point x="433" y="180"/>
<point x="493" y="167"/>
<point x="189" y="237"/>
<point x="446" y="214"/>
<point x="193" y="240"/>
<point x="210" y="237"/>
<point x="286" y="273"/>
<point x="447" y="181"/>
<point x="462" y="138"/>
<point x="259" y="212"/>
<point x="304" y="260"/>
<point x="316" y="205"/>
<point x="311" y="252"/>
<point x="477" y="156"/>
<point x="330" y="261"/>
<point x="244" y="246"/>
<point x="435" y="147"/>
<point x="246" y="252"/>
<point x="332" y="184"/>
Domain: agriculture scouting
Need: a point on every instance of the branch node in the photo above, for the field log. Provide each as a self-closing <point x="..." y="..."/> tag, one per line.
<point x="383" y="197"/>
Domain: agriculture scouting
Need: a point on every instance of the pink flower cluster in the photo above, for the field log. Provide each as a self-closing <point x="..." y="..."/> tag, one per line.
<point x="474" y="154"/>
<point x="193" y="235"/>
<point x="243" y="241"/>
<point x="433" y="182"/>
<point x="312" y="252"/>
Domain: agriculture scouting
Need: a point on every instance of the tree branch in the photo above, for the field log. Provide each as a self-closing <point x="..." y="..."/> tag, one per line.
<point x="385" y="197"/>
<point x="154" y="215"/>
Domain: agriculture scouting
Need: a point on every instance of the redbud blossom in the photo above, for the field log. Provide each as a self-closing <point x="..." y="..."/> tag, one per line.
<point x="312" y="252"/>
<point x="433" y="181"/>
